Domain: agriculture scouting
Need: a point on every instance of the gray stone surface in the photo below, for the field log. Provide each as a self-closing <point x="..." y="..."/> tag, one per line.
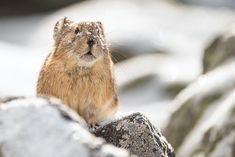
<point x="136" y="134"/>
<point x="43" y="128"/>
<point x="220" y="50"/>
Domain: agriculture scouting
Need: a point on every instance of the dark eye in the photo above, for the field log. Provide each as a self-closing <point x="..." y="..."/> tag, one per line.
<point x="77" y="30"/>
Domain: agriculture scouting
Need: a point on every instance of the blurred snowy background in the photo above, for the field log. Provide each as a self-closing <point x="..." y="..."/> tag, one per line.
<point x="174" y="61"/>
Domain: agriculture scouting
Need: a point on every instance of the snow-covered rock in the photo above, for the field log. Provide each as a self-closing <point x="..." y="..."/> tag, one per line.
<point x="190" y="104"/>
<point x="44" y="128"/>
<point x="215" y="135"/>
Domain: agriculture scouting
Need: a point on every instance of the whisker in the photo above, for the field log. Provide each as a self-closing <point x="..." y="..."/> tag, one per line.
<point x="125" y="56"/>
<point x="113" y="58"/>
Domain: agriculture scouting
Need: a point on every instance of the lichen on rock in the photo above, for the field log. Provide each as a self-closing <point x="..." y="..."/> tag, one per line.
<point x="136" y="134"/>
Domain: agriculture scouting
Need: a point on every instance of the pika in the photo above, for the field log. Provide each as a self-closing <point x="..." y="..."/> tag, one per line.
<point x="79" y="70"/>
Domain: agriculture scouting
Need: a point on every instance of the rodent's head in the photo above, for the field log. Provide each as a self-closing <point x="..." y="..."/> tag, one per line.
<point x="85" y="41"/>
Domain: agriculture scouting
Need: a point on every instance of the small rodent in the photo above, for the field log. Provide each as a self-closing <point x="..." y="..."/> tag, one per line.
<point x="79" y="70"/>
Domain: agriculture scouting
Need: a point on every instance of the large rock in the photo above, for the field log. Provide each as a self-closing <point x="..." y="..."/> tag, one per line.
<point x="189" y="106"/>
<point x="44" y="128"/>
<point x="136" y="134"/>
<point x="220" y="50"/>
<point x="215" y="135"/>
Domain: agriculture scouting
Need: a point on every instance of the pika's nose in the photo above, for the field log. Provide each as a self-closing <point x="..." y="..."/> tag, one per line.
<point x="90" y="42"/>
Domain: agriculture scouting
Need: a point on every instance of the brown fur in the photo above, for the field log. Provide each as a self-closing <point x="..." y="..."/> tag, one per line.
<point x="86" y="85"/>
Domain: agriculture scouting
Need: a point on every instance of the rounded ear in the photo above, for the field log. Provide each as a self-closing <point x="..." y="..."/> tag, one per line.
<point x="59" y="26"/>
<point x="101" y="26"/>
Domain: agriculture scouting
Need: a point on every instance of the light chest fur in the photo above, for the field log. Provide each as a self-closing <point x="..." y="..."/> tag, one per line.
<point x="88" y="90"/>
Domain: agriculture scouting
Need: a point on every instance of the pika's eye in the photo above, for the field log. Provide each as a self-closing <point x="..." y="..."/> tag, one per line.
<point x="77" y="31"/>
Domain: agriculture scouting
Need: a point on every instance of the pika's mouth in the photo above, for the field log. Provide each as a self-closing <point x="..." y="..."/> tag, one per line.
<point x="88" y="56"/>
<point x="89" y="53"/>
